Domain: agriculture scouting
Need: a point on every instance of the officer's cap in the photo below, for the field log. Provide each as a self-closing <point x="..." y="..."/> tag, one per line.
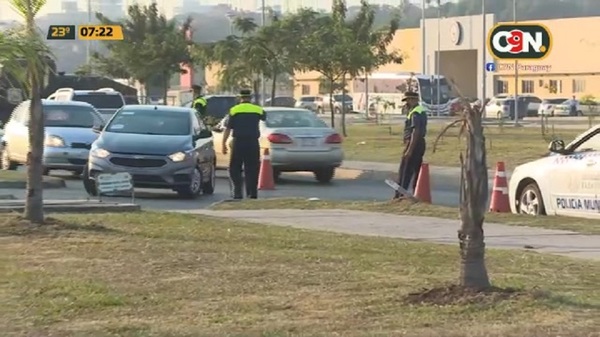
<point x="245" y="93"/>
<point x="410" y="94"/>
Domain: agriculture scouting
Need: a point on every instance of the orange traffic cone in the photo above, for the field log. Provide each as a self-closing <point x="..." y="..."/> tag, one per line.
<point x="266" y="181"/>
<point x="423" y="188"/>
<point x="499" y="202"/>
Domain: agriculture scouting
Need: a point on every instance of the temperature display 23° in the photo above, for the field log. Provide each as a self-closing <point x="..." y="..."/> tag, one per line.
<point x="100" y="32"/>
<point x="61" y="32"/>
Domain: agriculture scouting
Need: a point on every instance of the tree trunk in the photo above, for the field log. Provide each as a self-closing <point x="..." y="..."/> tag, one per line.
<point x="273" y="88"/>
<point x="343" y="122"/>
<point x="256" y="88"/>
<point x="34" y="202"/>
<point x="331" y="108"/>
<point x="474" y="197"/>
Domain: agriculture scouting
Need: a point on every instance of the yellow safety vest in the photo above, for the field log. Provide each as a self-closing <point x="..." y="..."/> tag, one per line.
<point x="200" y="100"/>
<point x="418" y="109"/>
<point x="245" y="108"/>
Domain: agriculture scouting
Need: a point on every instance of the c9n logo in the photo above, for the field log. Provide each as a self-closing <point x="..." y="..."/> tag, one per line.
<point x="515" y="41"/>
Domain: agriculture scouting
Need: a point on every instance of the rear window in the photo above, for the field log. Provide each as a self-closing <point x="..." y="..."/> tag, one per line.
<point x="218" y="106"/>
<point x="100" y="100"/>
<point x="294" y="119"/>
<point x="307" y="99"/>
<point x="70" y="116"/>
<point x="554" y="100"/>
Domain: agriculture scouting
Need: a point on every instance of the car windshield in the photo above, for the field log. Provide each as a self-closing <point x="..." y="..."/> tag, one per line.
<point x="218" y="106"/>
<point x="307" y="99"/>
<point x="151" y="122"/>
<point x="342" y="98"/>
<point x="101" y="100"/>
<point x="294" y="119"/>
<point x="70" y="116"/>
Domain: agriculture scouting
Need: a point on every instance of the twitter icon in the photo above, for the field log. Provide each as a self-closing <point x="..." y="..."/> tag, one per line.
<point x="490" y="66"/>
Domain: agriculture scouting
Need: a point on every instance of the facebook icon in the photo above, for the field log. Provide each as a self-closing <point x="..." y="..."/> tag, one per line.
<point x="490" y="66"/>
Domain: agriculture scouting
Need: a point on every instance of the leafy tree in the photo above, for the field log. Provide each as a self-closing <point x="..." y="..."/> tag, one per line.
<point x="24" y="57"/>
<point x="152" y="45"/>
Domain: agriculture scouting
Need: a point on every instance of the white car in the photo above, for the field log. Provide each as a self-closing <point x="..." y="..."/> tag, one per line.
<point x="548" y="105"/>
<point x="565" y="182"/>
<point x="564" y="108"/>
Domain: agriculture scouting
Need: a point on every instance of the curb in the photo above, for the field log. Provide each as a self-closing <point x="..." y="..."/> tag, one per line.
<point x="46" y="184"/>
<point x="116" y="208"/>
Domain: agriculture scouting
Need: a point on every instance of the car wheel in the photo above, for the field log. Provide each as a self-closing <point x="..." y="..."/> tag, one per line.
<point x="209" y="186"/>
<point x="194" y="188"/>
<point x="499" y="115"/>
<point x="531" y="202"/>
<point x="45" y="171"/>
<point x="579" y="113"/>
<point x="325" y="175"/>
<point x="5" y="163"/>
<point x="319" y="110"/>
<point x="337" y="111"/>
<point x="89" y="184"/>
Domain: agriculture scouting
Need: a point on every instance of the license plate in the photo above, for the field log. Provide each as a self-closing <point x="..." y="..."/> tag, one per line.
<point x="307" y="142"/>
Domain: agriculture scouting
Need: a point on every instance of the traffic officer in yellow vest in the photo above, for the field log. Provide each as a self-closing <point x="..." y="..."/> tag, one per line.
<point x="243" y="121"/>
<point x="415" y="129"/>
<point x="199" y="102"/>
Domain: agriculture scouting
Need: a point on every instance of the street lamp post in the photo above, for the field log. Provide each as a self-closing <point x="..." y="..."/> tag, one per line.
<point x="516" y="72"/>
<point x="423" y="39"/>
<point x="438" y="56"/>
<point x="88" y="44"/>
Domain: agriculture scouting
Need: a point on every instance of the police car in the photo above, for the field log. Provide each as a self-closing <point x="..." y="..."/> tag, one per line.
<point x="565" y="182"/>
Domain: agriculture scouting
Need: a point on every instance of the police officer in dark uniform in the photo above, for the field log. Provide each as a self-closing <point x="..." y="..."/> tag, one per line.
<point x="199" y="102"/>
<point x="243" y="120"/>
<point x="415" y="129"/>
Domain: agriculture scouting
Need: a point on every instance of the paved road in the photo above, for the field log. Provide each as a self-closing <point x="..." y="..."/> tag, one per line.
<point x="292" y="185"/>
<point x="422" y="228"/>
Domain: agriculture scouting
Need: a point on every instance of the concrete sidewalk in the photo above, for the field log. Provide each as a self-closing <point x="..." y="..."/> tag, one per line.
<point x="436" y="230"/>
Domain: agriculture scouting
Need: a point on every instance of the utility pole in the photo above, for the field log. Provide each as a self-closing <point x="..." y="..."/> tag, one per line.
<point x="483" y="56"/>
<point x="438" y="56"/>
<point x="423" y="39"/>
<point x="263" y="85"/>
<point x="88" y="46"/>
<point x="516" y="72"/>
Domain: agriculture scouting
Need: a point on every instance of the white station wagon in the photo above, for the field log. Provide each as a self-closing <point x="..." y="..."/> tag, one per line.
<point x="565" y="182"/>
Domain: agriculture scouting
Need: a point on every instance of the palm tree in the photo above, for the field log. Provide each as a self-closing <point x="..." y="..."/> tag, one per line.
<point x="31" y="52"/>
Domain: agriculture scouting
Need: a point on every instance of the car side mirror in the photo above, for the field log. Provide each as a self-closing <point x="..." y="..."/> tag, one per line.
<point x="204" y="133"/>
<point x="97" y="128"/>
<point x="557" y="146"/>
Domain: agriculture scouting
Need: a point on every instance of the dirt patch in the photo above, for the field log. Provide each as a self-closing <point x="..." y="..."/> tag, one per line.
<point x="19" y="226"/>
<point x="455" y="294"/>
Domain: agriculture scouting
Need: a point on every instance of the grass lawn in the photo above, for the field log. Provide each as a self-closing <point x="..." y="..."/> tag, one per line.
<point x="586" y="226"/>
<point x="167" y="275"/>
<point x="514" y="146"/>
<point x="13" y="175"/>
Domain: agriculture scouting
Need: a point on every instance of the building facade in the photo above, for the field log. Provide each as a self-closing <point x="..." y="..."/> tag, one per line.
<point x="457" y="48"/>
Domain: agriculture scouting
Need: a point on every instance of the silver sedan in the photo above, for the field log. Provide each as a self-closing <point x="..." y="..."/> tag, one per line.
<point x="297" y="141"/>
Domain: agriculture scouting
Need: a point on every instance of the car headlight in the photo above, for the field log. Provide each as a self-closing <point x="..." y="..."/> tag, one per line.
<point x="178" y="156"/>
<point x="54" y="141"/>
<point x="99" y="153"/>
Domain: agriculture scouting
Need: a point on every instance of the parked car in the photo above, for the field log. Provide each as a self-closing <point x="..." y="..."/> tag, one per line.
<point x="548" y="105"/>
<point x="309" y="102"/>
<point x="106" y="100"/>
<point x="564" y="108"/>
<point x="217" y="106"/>
<point x="68" y="135"/>
<point x="282" y="101"/>
<point x="504" y="108"/>
<point x="339" y="101"/>
<point x="160" y="146"/>
<point x="564" y="182"/>
<point x="298" y="140"/>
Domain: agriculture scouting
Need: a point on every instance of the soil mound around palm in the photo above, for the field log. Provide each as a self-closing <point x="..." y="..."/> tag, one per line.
<point x="455" y="294"/>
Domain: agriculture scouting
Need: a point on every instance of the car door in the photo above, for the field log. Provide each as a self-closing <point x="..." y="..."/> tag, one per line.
<point x="577" y="191"/>
<point x="203" y="145"/>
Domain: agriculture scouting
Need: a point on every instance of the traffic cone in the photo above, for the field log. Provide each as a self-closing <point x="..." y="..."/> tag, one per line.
<point x="499" y="202"/>
<point x="266" y="181"/>
<point x="423" y="188"/>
